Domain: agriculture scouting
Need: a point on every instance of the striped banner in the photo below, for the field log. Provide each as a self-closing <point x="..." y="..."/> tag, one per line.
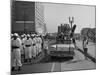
<point x="24" y="21"/>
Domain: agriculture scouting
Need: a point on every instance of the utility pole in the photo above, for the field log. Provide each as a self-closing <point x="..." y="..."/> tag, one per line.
<point x="71" y="21"/>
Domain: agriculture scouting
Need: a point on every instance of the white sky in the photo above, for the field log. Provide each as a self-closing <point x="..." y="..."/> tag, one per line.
<point x="55" y="14"/>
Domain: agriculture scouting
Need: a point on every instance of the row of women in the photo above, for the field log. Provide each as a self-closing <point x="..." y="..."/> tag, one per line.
<point x="28" y="45"/>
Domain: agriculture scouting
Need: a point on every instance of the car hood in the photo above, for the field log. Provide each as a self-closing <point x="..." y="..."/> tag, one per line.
<point x="62" y="47"/>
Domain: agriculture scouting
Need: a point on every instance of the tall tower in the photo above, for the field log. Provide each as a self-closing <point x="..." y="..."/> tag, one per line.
<point x="27" y="16"/>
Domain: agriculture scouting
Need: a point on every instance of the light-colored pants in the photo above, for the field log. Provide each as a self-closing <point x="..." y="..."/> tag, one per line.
<point x="22" y="50"/>
<point x="39" y="45"/>
<point x="34" y="51"/>
<point x="38" y="48"/>
<point x="28" y="52"/>
<point x="16" y="58"/>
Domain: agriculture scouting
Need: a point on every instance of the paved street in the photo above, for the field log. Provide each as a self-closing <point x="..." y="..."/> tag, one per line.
<point x="78" y="63"/>
<point x="48" y="64"/>
<point x="38" y="68"/>
<point x="91" y="48"/>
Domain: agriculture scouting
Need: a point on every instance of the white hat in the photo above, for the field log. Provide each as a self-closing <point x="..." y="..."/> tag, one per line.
<point x="36" y="35"/>
<point x="28" y="35"/>
<point x="15" y="34"/>
<point x="32" y="35"/>
<point x="11" y="34"/>
<point x="22" y="35"/>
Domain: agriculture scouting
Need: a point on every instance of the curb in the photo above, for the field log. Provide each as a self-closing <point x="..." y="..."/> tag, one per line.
<point x="88" y="55"/>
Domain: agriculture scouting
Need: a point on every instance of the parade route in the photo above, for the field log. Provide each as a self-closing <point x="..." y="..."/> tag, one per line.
<point x="48" y="64"/>
<point x="51" y="37"/>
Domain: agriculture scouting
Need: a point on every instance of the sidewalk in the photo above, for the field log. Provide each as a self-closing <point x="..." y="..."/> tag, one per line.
<point x="91" y="48"/>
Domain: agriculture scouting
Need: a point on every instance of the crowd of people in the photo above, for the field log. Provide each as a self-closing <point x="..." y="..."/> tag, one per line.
<point x="29" y="45"/>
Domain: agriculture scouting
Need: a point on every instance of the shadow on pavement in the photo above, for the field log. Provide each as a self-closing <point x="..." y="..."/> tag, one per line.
<point x="50" y="59"/>
<point x="88" y="55"/>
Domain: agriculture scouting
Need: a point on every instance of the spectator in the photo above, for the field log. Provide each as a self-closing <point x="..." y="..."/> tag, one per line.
<point x="85" y="43"/>
<point x="16" y="52"/>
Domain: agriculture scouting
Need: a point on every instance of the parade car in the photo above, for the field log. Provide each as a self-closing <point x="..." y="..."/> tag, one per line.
<point x="62" y="50"/>
<point x="64" y="46"/>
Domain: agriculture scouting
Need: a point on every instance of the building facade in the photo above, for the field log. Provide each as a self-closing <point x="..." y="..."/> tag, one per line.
<point x="39" y="18"/>
<point x="90" y="33"/>
<point x="27" y="17"/>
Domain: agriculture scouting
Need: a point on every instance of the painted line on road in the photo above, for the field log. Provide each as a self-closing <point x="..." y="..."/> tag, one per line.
<point x="52" y="68"/>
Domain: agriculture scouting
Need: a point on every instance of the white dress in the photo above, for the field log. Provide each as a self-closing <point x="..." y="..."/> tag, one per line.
<point x="39" y="44"/>
<point x="28" y="50"/>
<point x="34" y="48"/>
<point x="16" y="53"/>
